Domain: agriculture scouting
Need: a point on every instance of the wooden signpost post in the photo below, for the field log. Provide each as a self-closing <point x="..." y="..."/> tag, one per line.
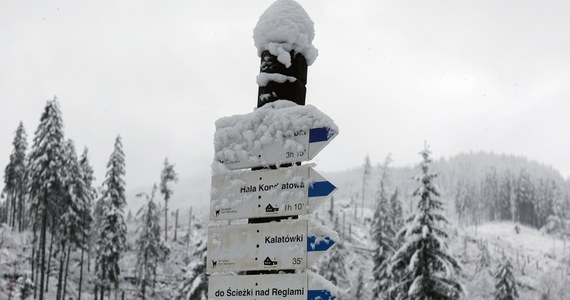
<point x="272" y="142"/>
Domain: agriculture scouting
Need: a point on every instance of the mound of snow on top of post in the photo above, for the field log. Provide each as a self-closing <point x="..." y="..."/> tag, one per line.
<point x="283" y="27"/>
<point x="238" y="137"/>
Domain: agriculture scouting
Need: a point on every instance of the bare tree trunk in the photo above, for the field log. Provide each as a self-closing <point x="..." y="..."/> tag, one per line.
<point x="49" y="258"/>
<point x="189" y="236"/>
<point x="81" y="270"/>
<point x="43" y="251"/>
<point x="176" y="225"/>
<point x="165" y="219"/>
<point x="66" y="271"/>
<point x="60" y="273"/>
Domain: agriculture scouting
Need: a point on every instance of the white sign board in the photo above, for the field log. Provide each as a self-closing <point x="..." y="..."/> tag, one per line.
<point x="268" y="193"/>
<point x="306" y="144"/>
<point x="302" y="286"/>
<point x="294" y="244"/>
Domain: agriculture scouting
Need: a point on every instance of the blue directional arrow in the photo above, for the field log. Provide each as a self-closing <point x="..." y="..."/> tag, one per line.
<point x="320" y="134"/>
<point x="315" y="243"/>
<point x="320" y="295"/>
<point x="321" y="188"/>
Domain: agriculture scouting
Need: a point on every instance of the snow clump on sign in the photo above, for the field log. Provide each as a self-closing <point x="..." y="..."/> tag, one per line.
<point x="283" y="27"/>
<point x="241" y="137"/>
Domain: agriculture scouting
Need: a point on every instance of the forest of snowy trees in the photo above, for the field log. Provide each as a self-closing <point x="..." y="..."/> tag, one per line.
<point x="407" y="232"/>
<point x="49" y="194"/>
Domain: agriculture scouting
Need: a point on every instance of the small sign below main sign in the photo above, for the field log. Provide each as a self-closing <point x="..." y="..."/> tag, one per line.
<point x="268" y="193"/>
<point x="290" y="245"/>
<point x="303" y="286"/>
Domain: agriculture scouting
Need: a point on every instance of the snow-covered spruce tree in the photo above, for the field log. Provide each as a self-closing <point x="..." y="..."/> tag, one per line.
<point x="367" y="168"/>
<point x="505" y="283"/>
<point x="69" y="229"/>
<point x="89" y="193"/>
<point x="397" y="212"/>
<point x="113" y="232"/>
<point x="427" y="270"/>
<point x="46" y="178"/>
<point x="149" y="246"/>
<point x="484" y="258"/>
<point x="333" y="267"/>
<point x="194" y="286"/>
<point x="15" y="180"/>
<point x="167" y="176"/>
<point x="383" y="235"/>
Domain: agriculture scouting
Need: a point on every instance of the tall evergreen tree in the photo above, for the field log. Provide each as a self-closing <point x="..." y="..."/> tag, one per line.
<point x="524" y="199"/>
<point x="383" y="234"/>
<point x="113" y="232"/>
<point x="89" y="194"/>
<point x="490" y="195"/>
<point x="15" y="180"/>
<point x="506" y="192"/>
<point x="505" y="283"/>
<point x="194" y="285"/>
<point x="167" y="176"/>
<point x="46" y="180"/>
<point x="333" y="267"/>
<point x="149" y="246"/>
<point x="367" y="168"/>
<point x="427" y="269"/>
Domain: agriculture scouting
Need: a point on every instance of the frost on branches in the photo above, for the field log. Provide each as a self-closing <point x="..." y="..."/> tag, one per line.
<point x="505" y="283"/>
<point x="195" y="284"/>
<point x="428" y="271"/>
<point x="112" y="235"/>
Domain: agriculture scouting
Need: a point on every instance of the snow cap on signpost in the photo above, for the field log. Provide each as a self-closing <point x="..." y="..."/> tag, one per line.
<point x="283" y="37"/>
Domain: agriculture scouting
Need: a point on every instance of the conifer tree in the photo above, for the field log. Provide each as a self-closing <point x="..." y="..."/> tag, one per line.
<point x="333" y="267"/>
<point x="383" y="234"/>
<point x="149" y="246"/>
<point x="505" y="283"/>
<point x="366" y="173"/>
<point x="194" y="285"/>
<point x="69" y="230"/>
<point x="167" y="176"/>
<point x="46" y="178"/>
<point x="112" y="235"/>
<point x="15" y="180"/>
<point x="427" y="270"/>
<point x="89" y="194"/>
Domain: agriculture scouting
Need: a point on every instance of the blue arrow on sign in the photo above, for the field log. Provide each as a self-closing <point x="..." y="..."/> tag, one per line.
<point x="321" y="188"/>
<point x="320" y="134"/>
<point x="319" y="243"/>
<point x="320" y="295"/>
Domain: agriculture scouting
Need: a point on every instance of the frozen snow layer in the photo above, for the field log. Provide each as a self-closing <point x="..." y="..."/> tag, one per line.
<point x="264" y="78"/>
<point x="283" y="27"/>
<point x="278" y="132"/>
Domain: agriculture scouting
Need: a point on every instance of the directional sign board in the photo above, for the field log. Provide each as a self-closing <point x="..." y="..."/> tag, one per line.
<point x="286" y="133"/>
<point x="268" y="193"/>
<point x="303" y="286"/>
<point x="308" y="143"/>
<point x="294" y="244"/>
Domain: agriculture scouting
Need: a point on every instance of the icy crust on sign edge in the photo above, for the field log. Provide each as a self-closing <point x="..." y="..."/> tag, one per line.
<point x="283" y="27"/>
<point x="239" y="137"/>
<point x="321" y="232"/>
<point x="317" y="282"/>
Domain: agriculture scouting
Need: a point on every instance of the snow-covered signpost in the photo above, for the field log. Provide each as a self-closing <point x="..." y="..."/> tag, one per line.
<point x="273" y="141"/>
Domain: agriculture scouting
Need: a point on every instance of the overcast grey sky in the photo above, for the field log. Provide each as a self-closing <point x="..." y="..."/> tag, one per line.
<point x="463" y="75"/>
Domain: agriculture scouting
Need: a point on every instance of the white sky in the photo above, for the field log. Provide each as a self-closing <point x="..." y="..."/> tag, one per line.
<point x="463" y="75"/>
